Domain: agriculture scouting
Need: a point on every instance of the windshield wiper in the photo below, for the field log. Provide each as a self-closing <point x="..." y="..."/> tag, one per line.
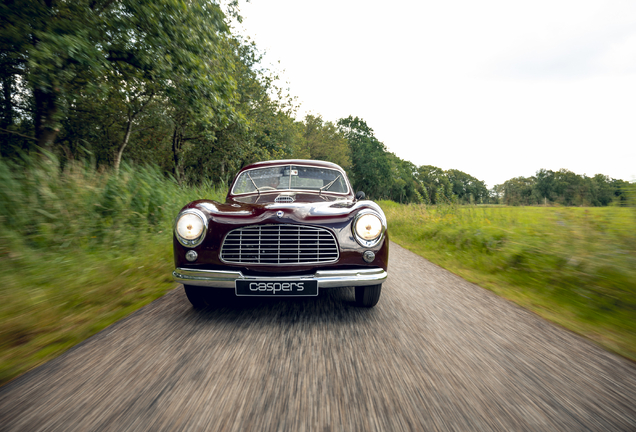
<point x="328" y="185"/>
<point x="250" y="177"/>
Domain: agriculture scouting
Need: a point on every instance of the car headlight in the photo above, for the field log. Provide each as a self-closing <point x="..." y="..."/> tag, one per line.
<point x="368" y="228"/>
<point x="190" y="227"/>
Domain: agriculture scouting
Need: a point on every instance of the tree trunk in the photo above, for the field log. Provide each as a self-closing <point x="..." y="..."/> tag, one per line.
<point x="7" y="108"/>
<point x="177" y="136"/>
<point x="132" y="115"/>
<point x="45" y="110"/>
<point x="123" y="144"/>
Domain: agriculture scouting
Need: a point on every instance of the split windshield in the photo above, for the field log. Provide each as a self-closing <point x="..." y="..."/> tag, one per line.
<point x="290" y="177"/>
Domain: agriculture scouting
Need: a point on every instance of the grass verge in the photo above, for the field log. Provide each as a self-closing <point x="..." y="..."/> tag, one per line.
<point x="573" y="266"/>
<point x="79" y="250"/>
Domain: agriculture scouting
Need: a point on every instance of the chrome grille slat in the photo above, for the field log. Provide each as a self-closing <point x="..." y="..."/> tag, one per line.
<point x="279" y="245"/>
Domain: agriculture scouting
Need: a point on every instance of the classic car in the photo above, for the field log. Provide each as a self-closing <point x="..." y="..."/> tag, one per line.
<point x="287" y="228"/>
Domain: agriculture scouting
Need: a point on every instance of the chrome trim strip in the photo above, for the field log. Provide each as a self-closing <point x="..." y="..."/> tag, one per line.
<point x="325" y="278"/>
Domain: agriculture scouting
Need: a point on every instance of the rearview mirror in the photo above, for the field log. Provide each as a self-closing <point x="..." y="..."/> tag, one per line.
<point x="359" y="195"/>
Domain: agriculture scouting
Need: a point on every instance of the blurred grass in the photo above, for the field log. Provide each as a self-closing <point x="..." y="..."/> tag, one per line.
<point x="573" y="266"/>
<point x="79" y="250"/>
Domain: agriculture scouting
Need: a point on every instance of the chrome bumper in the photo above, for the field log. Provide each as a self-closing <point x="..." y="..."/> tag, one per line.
<point x="325" y="278"/>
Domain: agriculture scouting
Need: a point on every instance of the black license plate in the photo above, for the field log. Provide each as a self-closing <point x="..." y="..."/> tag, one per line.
<point x="276" y="287"/>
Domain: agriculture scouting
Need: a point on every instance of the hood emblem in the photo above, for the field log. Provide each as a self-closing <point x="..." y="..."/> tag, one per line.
<point x="280" y="213"/>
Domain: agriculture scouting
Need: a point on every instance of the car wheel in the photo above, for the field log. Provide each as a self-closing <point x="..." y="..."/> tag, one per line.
<point x="368" y="296"/>
<point x="196" y="295"/>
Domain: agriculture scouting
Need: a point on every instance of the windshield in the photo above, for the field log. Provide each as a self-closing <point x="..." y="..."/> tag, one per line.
<point x="288" y="177"/>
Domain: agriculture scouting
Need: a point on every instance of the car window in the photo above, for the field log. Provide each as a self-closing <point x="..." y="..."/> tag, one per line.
<point x="263" y="179"/>
<point x="290" y="177"/>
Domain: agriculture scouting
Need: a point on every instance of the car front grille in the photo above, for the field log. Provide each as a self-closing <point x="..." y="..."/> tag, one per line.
<point x="279" y="245"/>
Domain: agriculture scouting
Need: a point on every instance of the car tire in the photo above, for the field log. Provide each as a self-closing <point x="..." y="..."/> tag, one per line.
<point x="196" y="295"/>
<point x="368" y="296"/>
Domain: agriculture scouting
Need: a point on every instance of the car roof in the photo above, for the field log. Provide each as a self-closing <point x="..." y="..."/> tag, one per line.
<point x="306" y="162"/>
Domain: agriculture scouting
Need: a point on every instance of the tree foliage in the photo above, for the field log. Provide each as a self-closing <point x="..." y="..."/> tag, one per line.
<point x="56" y="48"/>
<point x="161" y="82"/>
<point x="166" y="83"/>
<point x="326" y="142"/>
<point x="370" y="168"/>
<point x="563" y="187"/>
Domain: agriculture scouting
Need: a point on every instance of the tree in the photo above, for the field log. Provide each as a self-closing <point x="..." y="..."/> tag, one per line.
<point x="569" y="188"/>
<point x="405" y="186"/>
<point x="370" y="168"/>
<point x="518" y="191"/>
<point x="466" y="187"/>
<point x="544" y="184"/>
<point x="58" y="47"/>
<point x="434" y="181"/>
<point x="325" y="142"/>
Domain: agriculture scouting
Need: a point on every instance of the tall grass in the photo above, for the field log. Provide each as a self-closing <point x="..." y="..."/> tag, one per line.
<point x="79" y="249"/>
<point x="575" y="266"/>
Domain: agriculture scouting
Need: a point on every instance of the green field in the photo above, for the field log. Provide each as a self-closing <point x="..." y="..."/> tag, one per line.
<point x="573" y="266"/>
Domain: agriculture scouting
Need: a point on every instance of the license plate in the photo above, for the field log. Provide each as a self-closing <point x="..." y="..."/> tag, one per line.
<point x="274" y="287"/>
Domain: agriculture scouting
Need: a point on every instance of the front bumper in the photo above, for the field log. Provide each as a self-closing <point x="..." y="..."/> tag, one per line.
<point x="325" y="278"/>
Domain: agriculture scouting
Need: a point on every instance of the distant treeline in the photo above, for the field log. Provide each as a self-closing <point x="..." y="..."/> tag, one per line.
<point x="167" y="83"/>
<point x="562" y="187"/>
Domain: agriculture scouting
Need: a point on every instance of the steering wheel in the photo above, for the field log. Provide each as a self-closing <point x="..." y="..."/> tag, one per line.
<point x="266" y="188"/>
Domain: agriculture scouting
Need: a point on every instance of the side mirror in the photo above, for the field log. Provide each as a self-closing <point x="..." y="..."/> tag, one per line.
<point x="359" y="195"/>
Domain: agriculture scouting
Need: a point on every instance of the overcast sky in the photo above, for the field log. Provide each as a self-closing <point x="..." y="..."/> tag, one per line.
<point x="497" y="89"/>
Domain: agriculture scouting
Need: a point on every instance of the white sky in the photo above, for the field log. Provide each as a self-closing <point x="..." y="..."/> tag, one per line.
<point x="497" y="89"/>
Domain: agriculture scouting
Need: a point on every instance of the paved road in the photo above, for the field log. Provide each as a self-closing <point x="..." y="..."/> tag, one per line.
<point x="437" y="353"/>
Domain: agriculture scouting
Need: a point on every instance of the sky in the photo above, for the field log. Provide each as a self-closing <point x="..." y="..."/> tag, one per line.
<point x="497" y="89"/>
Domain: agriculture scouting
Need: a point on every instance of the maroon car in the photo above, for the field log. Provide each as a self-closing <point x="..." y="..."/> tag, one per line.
<point x="287" y="228"/>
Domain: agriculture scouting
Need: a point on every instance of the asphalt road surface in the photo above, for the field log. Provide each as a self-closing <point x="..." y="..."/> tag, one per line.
<point x="436" y="354"/>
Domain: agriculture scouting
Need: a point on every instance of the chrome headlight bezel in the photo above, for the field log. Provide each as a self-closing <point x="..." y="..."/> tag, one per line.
<point x="197" y="241"/>
<point x="373" y="242"/>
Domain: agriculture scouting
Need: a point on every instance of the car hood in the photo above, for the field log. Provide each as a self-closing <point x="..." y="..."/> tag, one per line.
<point x="303" y="212"/>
